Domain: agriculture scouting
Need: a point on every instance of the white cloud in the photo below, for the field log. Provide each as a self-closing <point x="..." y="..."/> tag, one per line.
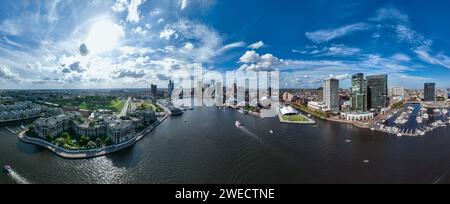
<point x="139" y="30"/>
<point x="255" y="62"/>
<point x="10" y="27"/>
<point x="231" y="46"/>
<point x="183" y="4"/>
<point x="120" y="5"/>
<point x="133" y="10"/>
<point x="6" y="73"/>
<point x="389" y="13"/>
<point x="167" y="33"/>
<point x="249" y="57"/>
<point x="132" y="6"/>
<point x="439" y="59"/>
<point x="327" y="35"/>
<point x="401" y="57"/>
<point x="256" y="45"/>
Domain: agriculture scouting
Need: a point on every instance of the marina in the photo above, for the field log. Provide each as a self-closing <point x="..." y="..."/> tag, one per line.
<point x="413" y="120"/>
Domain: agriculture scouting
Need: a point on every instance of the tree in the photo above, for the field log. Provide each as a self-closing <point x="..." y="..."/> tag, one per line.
<point x="108" y="141"/>
<point x="91" y="145"/>
<point x="99" y="141"/>
<point x="65" y="135"/>
<point x="83" y="141"/>
<point x="60" y="142"/>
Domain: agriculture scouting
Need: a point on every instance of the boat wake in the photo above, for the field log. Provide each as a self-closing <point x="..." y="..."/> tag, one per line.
<point x="18" y="178"/>
<point x="248" y="132"/>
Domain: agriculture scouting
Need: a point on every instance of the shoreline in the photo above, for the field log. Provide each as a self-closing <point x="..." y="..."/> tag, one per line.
<point x="85" y="154"/>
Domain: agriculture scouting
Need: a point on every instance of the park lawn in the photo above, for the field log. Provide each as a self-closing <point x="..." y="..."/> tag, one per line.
<point x="83" y="106"/>
<point x="117" y="105"/>
<point x="295" y="118"/>
<point x="152" y="106"/>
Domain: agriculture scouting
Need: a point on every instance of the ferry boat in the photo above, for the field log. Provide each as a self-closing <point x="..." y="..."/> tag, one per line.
<point x="238" y="124"/>
<point x="8" y="168"/>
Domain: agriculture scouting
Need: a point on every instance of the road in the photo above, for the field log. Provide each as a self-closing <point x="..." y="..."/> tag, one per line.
<point x="125" y="108"/>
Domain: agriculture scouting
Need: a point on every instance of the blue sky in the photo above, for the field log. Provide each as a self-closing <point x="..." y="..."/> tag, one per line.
<point x="132" y="43"/>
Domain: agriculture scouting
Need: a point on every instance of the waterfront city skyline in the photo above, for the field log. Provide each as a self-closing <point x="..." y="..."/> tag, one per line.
<point x="131" y="44"/>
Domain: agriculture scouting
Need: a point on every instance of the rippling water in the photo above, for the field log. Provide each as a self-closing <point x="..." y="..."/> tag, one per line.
<point x="208" y="148"/>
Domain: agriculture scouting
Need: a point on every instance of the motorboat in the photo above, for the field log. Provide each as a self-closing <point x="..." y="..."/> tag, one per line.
<point x="8" y="168"/>
<point x="419" y="119"/>
<point x="238" y="124"/>
<point x="271" y="132"/>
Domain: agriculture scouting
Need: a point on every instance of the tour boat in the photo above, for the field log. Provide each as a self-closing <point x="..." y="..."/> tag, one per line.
<point x="238" y="124"/>
<point x="8" y="168"/>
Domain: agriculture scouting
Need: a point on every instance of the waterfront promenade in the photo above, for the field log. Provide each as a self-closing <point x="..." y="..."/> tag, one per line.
<point x="83" y="154"/>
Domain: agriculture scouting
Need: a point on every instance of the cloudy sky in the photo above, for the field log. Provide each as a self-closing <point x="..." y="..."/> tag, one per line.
<point x="132" y="43"/>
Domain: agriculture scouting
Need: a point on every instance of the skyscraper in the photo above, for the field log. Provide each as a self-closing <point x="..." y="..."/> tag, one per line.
<point x="170" y="88"/>
<point x="377" y="91"/>
<point x="430" y="92"/>
<point x="331" y="94"/>
<point x="359" y="93"/>
<point x="397" y="91"/>
<point x="153" y="90"/>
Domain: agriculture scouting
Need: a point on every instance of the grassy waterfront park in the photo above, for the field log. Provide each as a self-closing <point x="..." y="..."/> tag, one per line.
<point x="295" y="118"/>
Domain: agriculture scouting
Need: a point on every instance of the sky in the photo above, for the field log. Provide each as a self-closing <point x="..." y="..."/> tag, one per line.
<point x="132" y="43"/>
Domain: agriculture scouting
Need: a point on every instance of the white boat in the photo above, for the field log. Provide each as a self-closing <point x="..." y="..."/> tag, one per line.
<point x="419" y="119"/>
<point x="366" y="161"/>
<point x="437" y="111"/>
<point x="373" y="129"/>
<point x="444" y="111"/>
<point x="348" y="141"/>
<point x="425" y="116"/>
<point x="399" y="134"/>
<point x="271" y="132"/>
<point x="238" y="124"/>
<point x="8" y="168"/>
<point x="410" y="108"/>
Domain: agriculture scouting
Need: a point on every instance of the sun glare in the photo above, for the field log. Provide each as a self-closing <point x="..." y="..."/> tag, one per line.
<point x="104" y="36"/>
